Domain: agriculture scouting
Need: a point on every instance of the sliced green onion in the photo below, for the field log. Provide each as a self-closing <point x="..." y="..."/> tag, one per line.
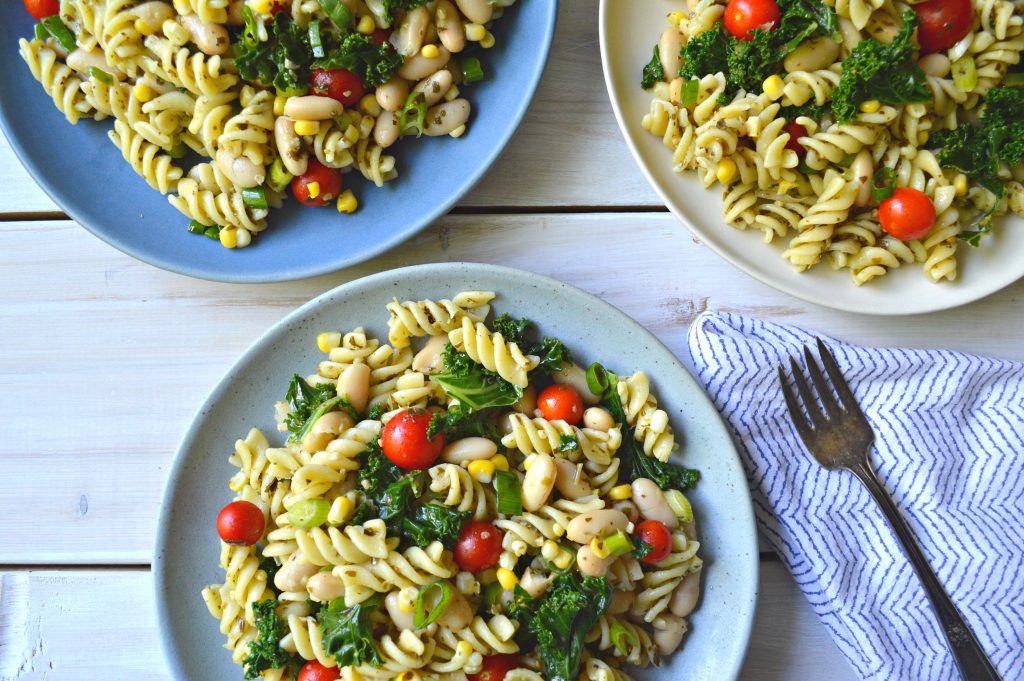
<point x="689" y="93"/>
<point x="1015" y="80"/>
<point x="420" y="618"/>
<point x="340" y="15"/>
<point x="491" y="595"/>
<point x="278" y="177"/>
<point x="884" y="185"/>
<point x="680" y="505"/>
<point x="61" y="33"/>
<point x="965" y="74"/>
<point x="41" y="32"/>
<point x="250" y="35"/>
<point x="101" y="75"/>
<point x="315" y="41"/>
<point x="510" y="495"/>
<point x="255" y="198"/>
<point x="309" y="513"/>
<point x="212" y="232"/>
<point x="472" y="72"/>
<point x="618" y="543"/>
<point x="623" y="639"/>
<point x="196" y="227"/>
<point x="597" y="379"/>
<point x="414" y="114"/>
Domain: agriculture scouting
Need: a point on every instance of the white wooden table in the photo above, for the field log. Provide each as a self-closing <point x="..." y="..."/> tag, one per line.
<point x="103" y="361"/>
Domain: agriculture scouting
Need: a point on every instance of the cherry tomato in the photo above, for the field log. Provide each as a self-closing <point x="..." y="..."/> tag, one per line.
<point x="405" y="442"/>
<point x="339" y="84"/>
<point x="380" y="35"/>
<point x="241" y="523"/>
<point x="495" y="667"/>
<point x="478" y="547"/>
<point x="328" y="181"/>
<point x="943" y="23"/>
<point x="314" y="671"/>
<point x="743" y="16"/>
<point x="560" y="402"/>
<point x="40" y="9"/>
<point x="796" y="131"/>
<point x="655" y="533"/>
<point x="907" y="215"/>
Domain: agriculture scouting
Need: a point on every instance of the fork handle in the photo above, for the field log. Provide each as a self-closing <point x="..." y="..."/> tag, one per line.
<point x="970" y="657"/>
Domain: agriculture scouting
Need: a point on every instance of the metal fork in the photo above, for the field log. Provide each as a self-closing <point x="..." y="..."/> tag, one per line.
<point x="841" y="437"/>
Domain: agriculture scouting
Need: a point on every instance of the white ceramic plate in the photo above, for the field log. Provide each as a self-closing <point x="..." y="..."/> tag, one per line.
<point x="629" y="31"/>
<point x="187" y="548"/>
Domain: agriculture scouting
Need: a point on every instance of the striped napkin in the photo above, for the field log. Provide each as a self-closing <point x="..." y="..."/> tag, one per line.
<point x="949" y="449"/>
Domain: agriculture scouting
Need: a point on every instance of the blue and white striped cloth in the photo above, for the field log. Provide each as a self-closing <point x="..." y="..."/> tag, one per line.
<point x="950" y="450"/>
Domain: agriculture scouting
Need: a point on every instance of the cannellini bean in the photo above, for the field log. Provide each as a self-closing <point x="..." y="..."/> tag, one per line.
<point x="469" y="449"/>
<point x="539" y="482"/>
<point x="154" y="13"/>
<point x="402" y="620"/>
<point x="535" y="583"/>
<point x="209" y="37"/>
<point x="935" y="64"/>
<point x="668" y="633"/>
<point x="82" y="60"/>
<point x="570" y="480"/>
<point x="590" y="564"/>
<point x="622" y="601"/>
<point x="445" y="117"/>
<point x="863" y="170"/>
<point x="407" y="39"/>
<point x="811" y="55"/>
<point x="392" y="93"/>
<point x="851" y="34"/>
<point x="669" y="47"/>
<point x="628" y="508"/>
<point x="387" y="129"/>
<point x="435" y="86"/>
<point x="526" y="404"/>
<point x="418" y="67"/>
<point x="354" y="385"/>
<point x="326" y="428"/>
<point x="450" y="30"/>
<point x="574" y="375"/>
<point x="312" y="108"/>
<point x="587" y="526"/>
<point x="598" y="418"/>
<point x="289" y="146"/>
<point x="651" y="502"/>
<point x="431" y="357"/>
<point x="684" y="597"/>
<point x="324" y="587"/>
<point x="294" y="574"/>
<point x="458" y="615"/>
<point x="240" y="169"/>
<point x="477" y="11"/>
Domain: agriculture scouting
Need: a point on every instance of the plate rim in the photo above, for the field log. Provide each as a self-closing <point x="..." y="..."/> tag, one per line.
<point x="708" y="237"/>
<point x="53" y="189"/>
<point x="744" y="501"/>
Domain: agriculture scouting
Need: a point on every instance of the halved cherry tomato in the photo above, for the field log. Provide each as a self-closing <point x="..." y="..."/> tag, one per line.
<point x="339" y="84"/>
<point x="907" y="215"/>
<point x="40" y="9"/>
<point x="478" y="547"/>
<point x="404" y="440"/>
<point x="656" y="534"/>
<point x="743" y="16"/>
<point x="327" y="184"/>
<point x="380" y="35"/>
<point x="943" y="23"/>
<point x="796" y="131"/>
<point x="241" y="523"/>
<point x="314" y="671"/>
<point x="560" y="402"/>
<point x="495" y="667"/>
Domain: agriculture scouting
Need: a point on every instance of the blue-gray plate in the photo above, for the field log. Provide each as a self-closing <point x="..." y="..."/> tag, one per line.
<point x="83" y="172"/>
<point x="187" y="548"/>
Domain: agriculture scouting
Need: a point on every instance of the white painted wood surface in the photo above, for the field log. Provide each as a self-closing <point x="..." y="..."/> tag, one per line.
<point x="103" y="361"/>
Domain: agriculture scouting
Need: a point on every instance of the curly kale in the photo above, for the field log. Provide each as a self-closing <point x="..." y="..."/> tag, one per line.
<point x="348" y="632"/>
<point x="472" y="385"/>
<point x="266" y="651"/>
<point x="374" y="63"/>
<point x="654" y="71"/>
<point x="310" y="402"/>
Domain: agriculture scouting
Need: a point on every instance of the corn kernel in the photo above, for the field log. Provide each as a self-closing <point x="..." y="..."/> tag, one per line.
<point x="430" y="51"/>
<point x="563" y="560"/>
<point x="500" y="462"/>
<point x="620" y="492"/>
<point x="676" y="18"/>
<point x="408" y="675"/>
<point x="599" y="548"/>
<point x="507" y="579"/>
<point x="351" y="134"/>
<point x="262" y="6"/>
<point x="244" y="237"/>
<point x="528" y="461"/>
<point x="366" y="25"/>
<point x="314" y="189"/>
<point x="487" y="42"/>
<point x="279" y="105"/>
<point x="773" y="86"/>
<point x="557" y="529"/>
<point x="550" y="550"/>
<point x="368" y="105"/>
<point x="482" y="470"/>
<point x="142" y="92"/>
<point x="458" y="132"/>
<point x="228" y="237"/>
<point x="341" y="508"/>
<point x="307" y="127"/>
<point x="871" y="106"/>
<point x="407" y="599"/>
<point x="347" y="202"/>
<point x="726" y="170"/>
<point x="488" y="576"/>
<point x="475" y="32"/>
<point x="328" y="340"/>
<point x="922" y="137"/>
<point x="960" y="184"/>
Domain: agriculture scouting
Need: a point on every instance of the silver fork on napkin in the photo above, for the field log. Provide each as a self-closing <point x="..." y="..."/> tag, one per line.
<point x="841" y="437"/>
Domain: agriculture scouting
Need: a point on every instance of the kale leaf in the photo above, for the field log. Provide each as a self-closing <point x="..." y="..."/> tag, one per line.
<point x="310" y="402"/>
<point x="269" y="566"/>
<point x="707" y="52"/>
<point x="376" y="471"/>
<point x="511" y="329"/>
<point x="434" y="522"/>
<point x="392" y="7"/>
<point x="282" y="61"/>
<point x="551" y="351"/>
<point x="641" y="548"/>
<point x="266" y="651"/>
<point x="568" y="444"/>
<point x="359" y="54"/>
<point x="348" y="633"/>
<point x="653" y="71"/>
<point x="458" y="422"/>
<point x="472" y="385"/>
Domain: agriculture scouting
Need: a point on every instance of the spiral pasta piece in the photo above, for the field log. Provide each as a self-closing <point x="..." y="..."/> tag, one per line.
<point x="146" y="159"/>
<point x="493" y="352"/>
<point x="414" y="319"/>
<point x="59" y="82"/>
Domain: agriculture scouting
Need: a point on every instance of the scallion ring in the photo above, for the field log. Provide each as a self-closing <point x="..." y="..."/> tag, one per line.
<point x="255" y="198"/>
<point x="101" y="75"/>
<point x="690" y="91"/>
<point x="414" y="115"/>
<point x="623" y="639"/>
<point x="61" y="33"/>
<point x="309" y="513"/>
<point x="965" y="73"/>
<point x="41" y="33"/>
<point x="250" y="35"/>
<point x="315" y="41"/>
<point x="212" y="232"/>
<point x="340" y="15"/>
<point x="420" y="617"/>
<point x="598" y="381"/>
<point x="884" y="184"/>
<point x="472" y="72"/>
<point x="618" y="543"/>
<point x="196" y="227"/>
<point x="509" y="492"/>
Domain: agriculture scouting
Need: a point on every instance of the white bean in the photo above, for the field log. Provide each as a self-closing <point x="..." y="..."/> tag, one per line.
<point x="598" y="418"/>
<point x="387" y="129"/>
<point x="354" y="385"/>
<point x="469" y="449"/>
<point x="668" y="633"/>
<point x="240" y="169"/>
<point x="209" y="37"/>
<point x="289" y="146"/>
<point x="535" y="583"/>
<point x="669" y="48"/>
<point x="153" y="13"/>
<point x="402" y="620"/>
<point x="811" y="55"/>
<point x="590" y="564"/>
<point x="445" y="117"/>
<point x="477" y="11"/>
<point x="651" y="502"/>
<point x="81" y="60"/>
<point x="539" y="482"/>
<point x="418" y="67"/>
<point x="450" y="30"/>
<point x="326" y="428"/>
<point x="863" y="171"/>
<point x="622" y="601"/>
<point x="935" y="64"/>
<point x="324" y="587"/>
<point x="587" y="526"/>
<point x="528" y="402"/>
<point x="435" y="86"/>
<point x="574" y="375"/>
<point x="570" y="480"/>
<point x="294" y="574"/>
<point x="392" y="93"/>
<point x="407" y="39"/>
<point x="312" y="108"/>
<point x="431" y="357"/>
<point x="684" y="597"/>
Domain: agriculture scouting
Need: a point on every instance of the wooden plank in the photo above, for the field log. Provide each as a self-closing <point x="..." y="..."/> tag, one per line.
<point x="568" y="151"/>
<point x="59" y="626"/>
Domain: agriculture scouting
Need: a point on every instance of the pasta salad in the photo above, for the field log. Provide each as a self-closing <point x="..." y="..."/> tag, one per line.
<point x="475" y="508"/>
<point x="225" y="105"/>
<point x="867" y="133"/>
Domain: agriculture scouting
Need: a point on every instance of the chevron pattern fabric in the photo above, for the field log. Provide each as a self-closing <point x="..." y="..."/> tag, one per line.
<point x="950" y="450"/>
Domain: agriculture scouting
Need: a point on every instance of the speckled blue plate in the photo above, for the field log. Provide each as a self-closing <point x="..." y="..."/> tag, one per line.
<point x="85" y="175"/>
<point x="187" y="547"/>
